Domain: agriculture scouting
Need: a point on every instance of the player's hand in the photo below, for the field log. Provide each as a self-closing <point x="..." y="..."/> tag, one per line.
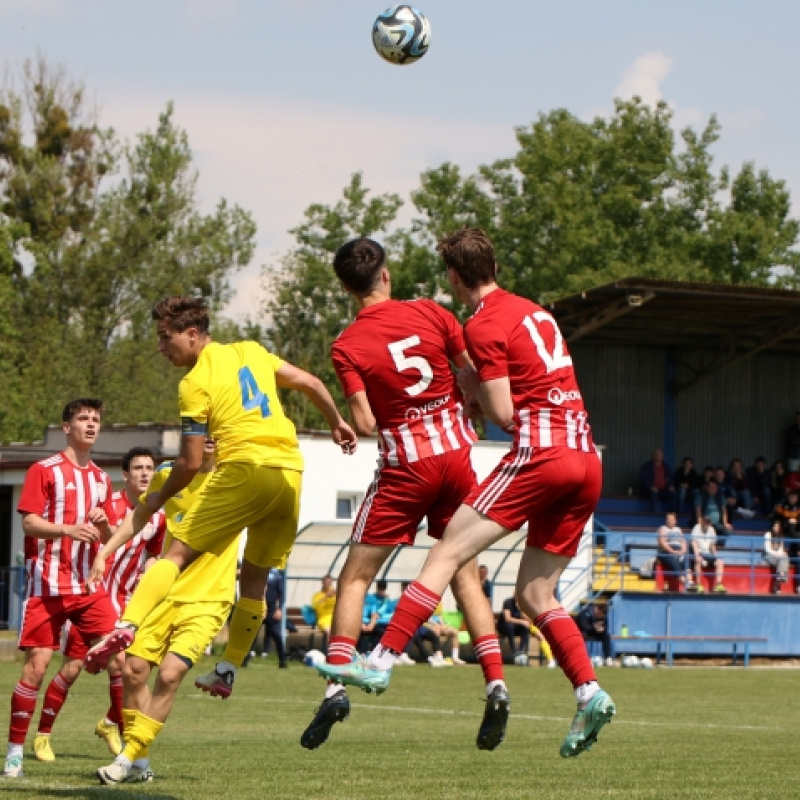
<point x="468" y="381"/>
<point x="97" y="516"/>
<point x="82" y="533"/>
<point x="345" y="437"/>
<point x="278" y="614"/>
<point x="472" y="408"/>
<point x="96" y="573"/>
<point x="153" y="502"/>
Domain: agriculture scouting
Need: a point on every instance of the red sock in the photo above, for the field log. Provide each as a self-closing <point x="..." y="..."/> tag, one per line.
<point x="487" y="651"/>
<point x="23" y="704"/>
<point x="568" y="647"/>
<point x="114" y="713"/>
<point x="340" y="650"/>
<point x="54" y="698"/>
<point x="415" y="606"/>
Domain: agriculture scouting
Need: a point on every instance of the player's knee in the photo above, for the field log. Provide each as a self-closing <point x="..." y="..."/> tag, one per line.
<point x="135" y="671"/>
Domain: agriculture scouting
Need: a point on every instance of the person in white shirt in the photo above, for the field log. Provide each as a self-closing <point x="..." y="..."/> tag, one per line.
<point x="671" y="552"/>
<point x="776" y="556"/>
<point x="704" y="551"/>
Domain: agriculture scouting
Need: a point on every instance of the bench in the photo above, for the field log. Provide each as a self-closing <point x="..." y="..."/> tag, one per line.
<point x="738" y="578"/>
<point x="668" y="641"/>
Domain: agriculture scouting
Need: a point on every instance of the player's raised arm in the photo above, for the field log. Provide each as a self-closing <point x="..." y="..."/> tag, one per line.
<point x="184" y="468"/>
<point x="125" y="531"/>
<point x="291" y="377"/>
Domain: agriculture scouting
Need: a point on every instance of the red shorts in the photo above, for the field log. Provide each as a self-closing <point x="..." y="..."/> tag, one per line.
<point x="553" y="489"/>
<point x="401" y="496"/>
<point x="43" y="618"/>
<point x="75" y="644"/>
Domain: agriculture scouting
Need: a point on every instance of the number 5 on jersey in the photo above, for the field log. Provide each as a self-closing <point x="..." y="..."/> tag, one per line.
<point x="252" y="396"/>
<point x="403" y="362"/>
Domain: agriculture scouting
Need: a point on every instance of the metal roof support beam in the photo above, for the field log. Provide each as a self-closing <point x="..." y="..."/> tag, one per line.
<point x="610" y="312"/>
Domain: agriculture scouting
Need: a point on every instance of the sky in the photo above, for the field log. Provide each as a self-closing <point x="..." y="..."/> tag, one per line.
<point x="284" y="99"/>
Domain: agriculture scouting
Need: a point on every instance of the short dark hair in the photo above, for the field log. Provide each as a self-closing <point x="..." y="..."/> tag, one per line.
<point x="181" y="312"/>
<point x="760" y="458"/>
<point x="358" y="262"/>
<point x="471" y="254"/>
<point x="78" y="404"/>
<point x="136" y="452"/>
<point x="381" y="585"/>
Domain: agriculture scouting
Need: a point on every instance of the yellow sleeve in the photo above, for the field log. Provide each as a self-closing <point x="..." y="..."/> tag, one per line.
<point x="193" y="401"/>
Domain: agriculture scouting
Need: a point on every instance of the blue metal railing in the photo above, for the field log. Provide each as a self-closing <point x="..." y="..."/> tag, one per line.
<point x="12" y="584"/>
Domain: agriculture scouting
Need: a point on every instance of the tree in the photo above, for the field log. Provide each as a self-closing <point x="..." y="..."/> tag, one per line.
<point x="109" y="227"/>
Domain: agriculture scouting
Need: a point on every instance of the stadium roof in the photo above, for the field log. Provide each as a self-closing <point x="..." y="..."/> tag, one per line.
<point x="728" y="323"/>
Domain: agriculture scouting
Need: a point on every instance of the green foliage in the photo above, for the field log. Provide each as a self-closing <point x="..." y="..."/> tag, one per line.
<point x="96" y="231"/>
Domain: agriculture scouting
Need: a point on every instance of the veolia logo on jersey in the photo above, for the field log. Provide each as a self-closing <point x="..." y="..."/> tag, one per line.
<point x="421" y="411"/>
<point x="557" y="397"/>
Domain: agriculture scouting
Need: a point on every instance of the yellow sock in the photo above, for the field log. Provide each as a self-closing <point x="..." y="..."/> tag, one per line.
<point x="546" y="651"/>
<point x="141" y="735"/>
<point x="245" y="623"/>
<point x="152" y="589"/>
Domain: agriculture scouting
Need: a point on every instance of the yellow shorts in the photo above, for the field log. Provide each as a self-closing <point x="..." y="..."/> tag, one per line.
<point x="265" y="500"/>
<point x="185" y="629"/>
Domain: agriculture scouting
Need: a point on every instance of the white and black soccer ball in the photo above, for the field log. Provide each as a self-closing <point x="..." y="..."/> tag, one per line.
<point x="646" y="662"/>
<point x="597" y="661"/>
<point x="401" y="35"/>
<point x="521" y="659"/>
<point x="313" y="658"/>
<point x="630" y="661"/>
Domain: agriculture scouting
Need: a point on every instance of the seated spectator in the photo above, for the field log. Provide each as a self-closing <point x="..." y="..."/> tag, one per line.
<point x="486" y="584"/>
<point x="708" y="474"/>
<point x="436" y="659"/>
<point x="791" y="482"/>
<point x="725" y="491"/>
<point x="760" y="485"/>
<point x="740" y="488"/>
<point x="685" y="481"/>
<point x="776" y="475"/>
<point x="378" y="610"/>
<point x="515" y="625"/>
<point x="776" y="555"/>
<point x="787" y="513"/>
<point x="444" y="632"/>
<point x="655" y="482"/>
<point x="704" y="555"/>
<point x="709" y="503"/>
<point x="592" y="620"/>
<point x="671" y="550"/>
<point x="323" y="603"/>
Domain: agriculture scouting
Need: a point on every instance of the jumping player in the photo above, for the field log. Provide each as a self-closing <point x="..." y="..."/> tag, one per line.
<point x="551" y="478"/>
<point x="119" y="581"/>
<point x="393" y="362"/>
<point x="65" y="507"/>
<point x="230" y="394"/>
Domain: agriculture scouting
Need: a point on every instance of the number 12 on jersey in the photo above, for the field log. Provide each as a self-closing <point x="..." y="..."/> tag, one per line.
<point x="252" y="396"/>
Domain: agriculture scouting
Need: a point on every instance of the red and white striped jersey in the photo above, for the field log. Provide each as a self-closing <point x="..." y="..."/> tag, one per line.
<point x="509" y="336"/>
<point x="125" y="567"/>
<point x="62" y="493"/>
<point x="399" y="353"/>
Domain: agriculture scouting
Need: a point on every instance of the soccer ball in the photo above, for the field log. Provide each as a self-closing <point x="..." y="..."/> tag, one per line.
<point x="645" y="662"/>
<point x="401" y="35"/>
<point x="521" y="659"/>
<point x="313" y="658"/>
<point x="630" y="661"/>
<point x="597" y="661"/>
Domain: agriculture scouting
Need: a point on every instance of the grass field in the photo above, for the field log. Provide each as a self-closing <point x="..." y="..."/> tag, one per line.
<point x="679" y="733"/>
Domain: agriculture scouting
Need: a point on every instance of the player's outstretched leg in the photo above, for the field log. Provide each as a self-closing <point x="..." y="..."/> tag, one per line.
<point x="333" y="709"/>
<point x="587" y="723"/>
<point x="495" y="719"/>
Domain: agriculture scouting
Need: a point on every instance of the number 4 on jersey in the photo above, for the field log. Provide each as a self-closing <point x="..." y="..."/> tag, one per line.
<point x="252" y="396"/>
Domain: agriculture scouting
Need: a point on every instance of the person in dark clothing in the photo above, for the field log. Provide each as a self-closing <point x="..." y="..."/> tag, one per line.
<point x="685" y="480"/>
<point x="760" y="485"/>
<point x="486" y="584"/>
<point x="592" y="621"/>
<point x="655" y="482"/>
<point x="514" y="624"/>
<point x="272" y="621"/>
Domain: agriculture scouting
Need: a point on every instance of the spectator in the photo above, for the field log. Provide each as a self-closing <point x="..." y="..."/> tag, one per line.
<point x="685" y="480"/>
<point x="725" y="492"/>
<point x="378" y="610"/>
<point x="436" y="659"/>
<point x="592" y="620"/>
<point x="486" y="584"/>
<point x="323" y="603"/>
<point x="272" y="621"/>
<point x="704" y="555"/>
<point x="787" y="513"/>
<point x="777" y="474"/>
<point x="671" y="551"/>
<point x="760" y="485"/>
<point x="515" y="624"/>
<point x="791" y="482"/>
<point x="740" y="488"/>
<point x="709" y="504"/>
<point x="776" y="555"/>
<point x="655" y="482"/>
<point x="791" y="444"/>
<point x="446" y="632"/>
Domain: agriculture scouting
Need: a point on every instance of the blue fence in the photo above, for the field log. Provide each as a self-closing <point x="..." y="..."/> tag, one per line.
<point x="12" y="589"/>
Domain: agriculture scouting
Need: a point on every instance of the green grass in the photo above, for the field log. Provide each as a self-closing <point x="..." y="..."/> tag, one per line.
<point x="682" y="732"/>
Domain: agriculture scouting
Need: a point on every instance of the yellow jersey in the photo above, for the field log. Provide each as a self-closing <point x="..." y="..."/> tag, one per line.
<point x="230" y="394"/>
<point x="210" y="577"/>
